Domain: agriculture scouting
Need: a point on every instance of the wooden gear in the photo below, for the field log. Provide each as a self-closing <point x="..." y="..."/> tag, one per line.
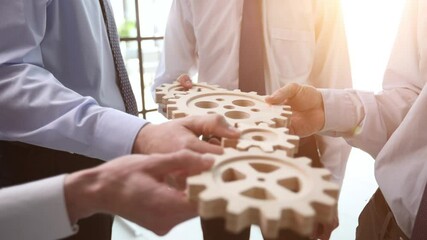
<point x="235" y="106"/>
<point x="264" y="137"/>
<point x="267" y="189"/>
<point x="167" y="91"/>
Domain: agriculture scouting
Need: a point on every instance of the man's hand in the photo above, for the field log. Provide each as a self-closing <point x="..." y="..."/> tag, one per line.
<point x="308" y="116"/>
<point x="184" y="133"/>
<point x="324" y="230"/>
<point x="185" y="81"/>
<point x="134" y="187"/>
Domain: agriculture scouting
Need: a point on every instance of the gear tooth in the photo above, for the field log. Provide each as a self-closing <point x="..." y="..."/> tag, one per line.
<point x="281" y="122"/>
<point x="270" y="123"/>
<point x="159" y="97"/>
<point x="253" y="150"/>
<point x="271" y="213"/>
<point x="170" y="108"/>
<point x="229" y="151"/>
<point x="264" y="125"/>
<point x="245" y="125"/>
<point x="235" y="207"/>
<point x="287" y="108"/>
<point x="243" y="145"/>
<point x="304" y="160"/>
<point x="267" y="148"/>
<point x="213" y="208"/>
<point x="325" y="207"/>
<point x="325" y="199"/>
<point x="305" y="211"/>
<point x="304" y="219"/>
<point x="209" y="195"/>
<point x="237" y="221"/>
<point x="171" y="101"/>
<point x="324" y="173"/>
<point x="178" y="114"/>
<point x="270" y="222"/>
<point x="330" y="186"/>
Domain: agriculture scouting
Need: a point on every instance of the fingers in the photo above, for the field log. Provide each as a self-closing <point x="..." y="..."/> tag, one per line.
<point x="185" y="81"/>
<point x="177" y="208"/>
<point x="181" y="161"/>
<point x="206" y="147"/>
<point x="210" y="125"/>
<point x="284" y="93"/>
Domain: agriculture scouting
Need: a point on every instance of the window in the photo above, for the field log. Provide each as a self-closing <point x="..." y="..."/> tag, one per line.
<point x="141" y="25"/>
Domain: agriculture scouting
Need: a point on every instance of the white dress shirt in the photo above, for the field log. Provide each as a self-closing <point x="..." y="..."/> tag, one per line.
<point x="305" y="43"/>
<point x="390" y="125"/>
<point x="57" y="79"/>
<point x="57" y="90"/>
<point x="35" y="210"/>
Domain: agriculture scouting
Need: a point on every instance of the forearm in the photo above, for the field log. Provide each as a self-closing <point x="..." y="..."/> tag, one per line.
<point x="82" y="192"/>
<point x="37" y="109"/>
<point x="179" y="53"/>
<point x="366" y="120"/>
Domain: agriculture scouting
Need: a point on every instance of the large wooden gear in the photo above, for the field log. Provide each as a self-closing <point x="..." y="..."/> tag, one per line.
<point x="170" y="90"/>
<point x="268" y="189"/>
<point x="264" y="137"/>
<point x="235" y="106"/>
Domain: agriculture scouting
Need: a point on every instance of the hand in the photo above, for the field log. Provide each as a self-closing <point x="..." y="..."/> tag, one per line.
<point x="308" y="115"/>
<point x="134" y="187"/>
<point x="185" y="81"/>
<point x="184" y="133"/>
<point x="324" y="230"/>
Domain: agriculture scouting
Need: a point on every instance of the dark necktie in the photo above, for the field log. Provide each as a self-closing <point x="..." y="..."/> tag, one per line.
<point x="251" y="56"/>
<point x="122" y="76"/>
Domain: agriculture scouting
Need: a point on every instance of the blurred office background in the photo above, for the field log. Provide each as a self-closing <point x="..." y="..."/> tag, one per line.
<point x="370" y="26"/>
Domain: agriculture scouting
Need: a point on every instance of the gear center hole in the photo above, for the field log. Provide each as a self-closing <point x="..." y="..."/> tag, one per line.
<point x="258" y="138"/>
<point x="206" y="104"/>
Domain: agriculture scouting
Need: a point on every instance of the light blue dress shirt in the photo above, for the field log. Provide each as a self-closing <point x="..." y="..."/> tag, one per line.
<point x="57" y="79"/>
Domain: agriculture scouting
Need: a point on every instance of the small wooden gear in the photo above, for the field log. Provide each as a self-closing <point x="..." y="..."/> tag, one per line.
<point x="268" y="189"/>
<point x="235" y="106"/>
<point x="264" y="137"/>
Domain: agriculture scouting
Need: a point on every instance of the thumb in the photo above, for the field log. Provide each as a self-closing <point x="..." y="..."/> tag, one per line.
<point x="185" y="81"/>
<point x="182" y="161"/>
<point x="211" y="125"/>
<point x="284" y="93"/>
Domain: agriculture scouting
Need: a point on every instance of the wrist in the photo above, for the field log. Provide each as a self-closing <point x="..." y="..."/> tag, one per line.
<point x="81" y="193"/>
<point x="139" y="142"/>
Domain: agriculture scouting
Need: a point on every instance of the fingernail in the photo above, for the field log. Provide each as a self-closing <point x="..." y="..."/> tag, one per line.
<point x="233" y="129"/>
<point x="208" y="159"/>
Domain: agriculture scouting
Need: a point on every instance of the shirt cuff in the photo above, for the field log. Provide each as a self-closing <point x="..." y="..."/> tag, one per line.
<point x="343" y="112"/>
<point x="35" y="210"/>
<point x="115" y="134"/>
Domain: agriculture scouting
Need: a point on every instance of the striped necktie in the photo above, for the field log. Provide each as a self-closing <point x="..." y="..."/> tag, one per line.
<point x="251" y="55"/>
<point x="122" y="76"/>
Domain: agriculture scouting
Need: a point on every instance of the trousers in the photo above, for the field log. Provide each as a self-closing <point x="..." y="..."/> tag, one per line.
<point x="376" y="221"/>
<point x="21" y="163"/>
